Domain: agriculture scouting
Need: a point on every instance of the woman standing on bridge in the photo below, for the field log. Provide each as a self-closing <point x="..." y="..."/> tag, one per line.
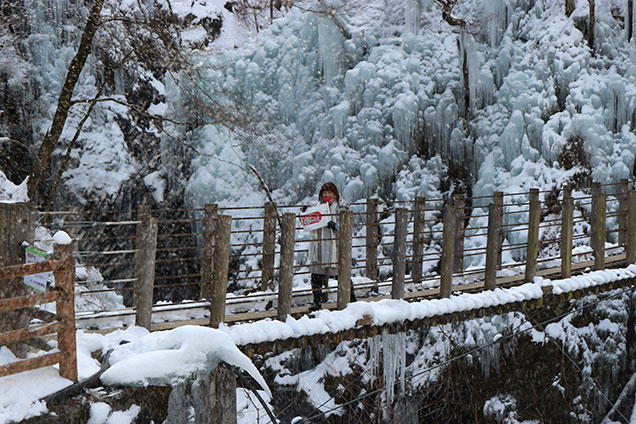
<point x="323" y="252"/>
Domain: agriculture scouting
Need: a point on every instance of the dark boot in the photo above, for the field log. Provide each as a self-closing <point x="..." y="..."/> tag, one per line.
<point x="316" y="289"/>
<point x="353" y="297"/>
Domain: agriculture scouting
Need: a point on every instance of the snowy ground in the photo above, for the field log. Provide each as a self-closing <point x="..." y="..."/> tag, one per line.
<point x="167" y="356"/>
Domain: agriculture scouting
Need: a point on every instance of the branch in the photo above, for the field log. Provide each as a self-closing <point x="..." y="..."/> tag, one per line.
<point x="64" y="101"/>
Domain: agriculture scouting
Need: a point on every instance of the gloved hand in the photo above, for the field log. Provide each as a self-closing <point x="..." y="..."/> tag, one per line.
<point x="332" y="225"/>
<point x="303" y="208"/>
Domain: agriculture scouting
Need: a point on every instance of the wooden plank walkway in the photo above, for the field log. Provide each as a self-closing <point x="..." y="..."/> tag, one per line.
<point x="431" y="293"/>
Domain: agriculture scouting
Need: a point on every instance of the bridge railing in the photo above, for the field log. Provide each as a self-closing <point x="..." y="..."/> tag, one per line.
<point x="62" y="322"/>
<point x="391" y="249"/>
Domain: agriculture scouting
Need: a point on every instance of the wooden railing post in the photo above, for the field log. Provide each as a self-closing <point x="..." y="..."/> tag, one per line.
<point x="630" y="249"/>
<point x="598" y="226"/>
<point x="490" y="277"/>
<point x="418" y="238"/>
<point x="221" y="267"/>
<point x="372" y="240"/>
<point x="269" y="245"/>
<point x="532" y="247"/>
<point x="399" y="254"/>
<point x="146" y="242"/>
<point x="288" y="233"/>
<point x="622" y="211"/>
<point x="65" y="310"/>
<point x="567" y="217"/>
<point x="344" y="258"/>
<point x="448" y="241"/>
<point x="207" y="253"/>
<point x="497" y="198"/>
<point x="221" y="397"/>
<point x="460" y="213"/>
<point x="17" y="224"/>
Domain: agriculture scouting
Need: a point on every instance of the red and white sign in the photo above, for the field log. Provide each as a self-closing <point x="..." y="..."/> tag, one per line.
<point x="315" y="217"/>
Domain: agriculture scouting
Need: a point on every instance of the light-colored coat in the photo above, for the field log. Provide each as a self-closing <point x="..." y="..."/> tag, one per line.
<point x="323" y="251"/>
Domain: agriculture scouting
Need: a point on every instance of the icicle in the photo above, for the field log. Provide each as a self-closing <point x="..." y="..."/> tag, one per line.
<point x="404" y="115"/>
<point x="496" y="21"/>
<point x="394" y="361"/>
<point x="330" y="47"/>
<point x="412" y="16"/>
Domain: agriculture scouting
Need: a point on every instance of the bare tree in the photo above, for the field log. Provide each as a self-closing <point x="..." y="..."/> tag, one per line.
<point x="569" y="7"/>
<point x="52" y="136"/>
<point x="591" y="24"/>
<point x="447" y="14"/>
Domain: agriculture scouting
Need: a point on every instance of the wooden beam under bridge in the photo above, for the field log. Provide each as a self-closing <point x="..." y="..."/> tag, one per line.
<point x="364" y="329"/>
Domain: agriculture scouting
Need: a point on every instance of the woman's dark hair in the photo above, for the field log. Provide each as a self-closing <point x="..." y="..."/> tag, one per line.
<point x="332" y="188"/>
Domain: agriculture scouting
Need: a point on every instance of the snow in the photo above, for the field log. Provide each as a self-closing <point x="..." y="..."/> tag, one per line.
<point x="167" y="357"/>
<point x="353" y="111"/>
<point x="11" y="193"/>
<point x="62" y="237"/>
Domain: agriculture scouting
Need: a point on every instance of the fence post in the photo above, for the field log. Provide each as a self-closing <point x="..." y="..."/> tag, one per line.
<point x="490" y="277"/>
<point x="209" y="237"/>
<point x="221" y="396"/>
<point x="372" y="237"/>
<point x="460" y="213"/>
<point x="622" y="211"/>
<point x="344" y="259"/>
<point x="567" y="217"/>
<point x="221" y="267"/>
<point x="288" y="233"/>
<point x="448" y="240"/>
<point x="65" y="310"/>
<point x="399" y="254"/>
<point x="145" y="266"/>
<point x="497" y="198"/>
<point x="17" y="224"/>
<point x="532" y="246"/>
<point x="598" y="226"/>
<point x="269" y="245"/>
<point x="630" y="241"/>
<point x="418" y="238"/>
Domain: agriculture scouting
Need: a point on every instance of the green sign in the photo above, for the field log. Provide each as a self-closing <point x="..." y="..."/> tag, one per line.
<point x="36" y="281"/>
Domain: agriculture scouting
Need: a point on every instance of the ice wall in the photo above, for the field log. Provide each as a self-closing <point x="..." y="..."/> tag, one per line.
<point x="352" y="99"/>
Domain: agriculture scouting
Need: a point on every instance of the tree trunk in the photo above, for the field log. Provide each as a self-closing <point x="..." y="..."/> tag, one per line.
<point x="592" y="22"/>
<point x="569" y="7"/>
<point x="629" y="22"/>
<point x="64" y="101"/>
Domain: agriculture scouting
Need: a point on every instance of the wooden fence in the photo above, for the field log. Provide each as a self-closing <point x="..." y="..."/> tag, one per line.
<point x="264" y="253"/>
<point x="62" y="322"/>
